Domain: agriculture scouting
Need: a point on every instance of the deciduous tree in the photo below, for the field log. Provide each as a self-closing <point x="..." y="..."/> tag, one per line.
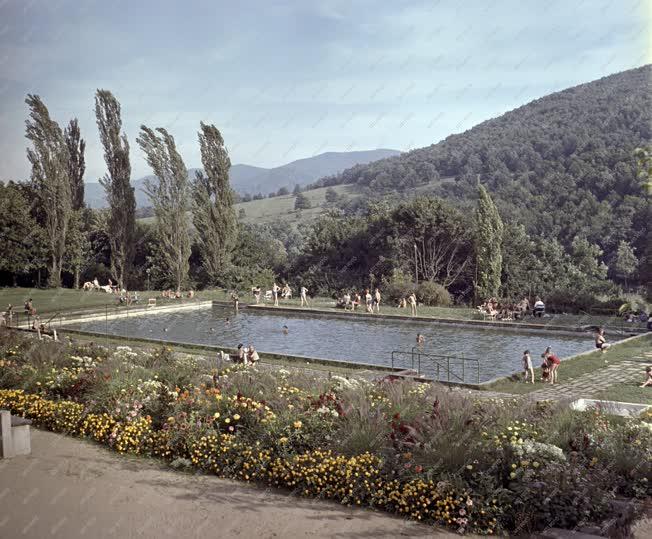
<point x="119" y="192"/>
<point x="213" y="213"/>
<point x="49" y="158"/>
<point x="169" y="197"/>
<point x="76" y="163"/>
<point x="21" y="238"/>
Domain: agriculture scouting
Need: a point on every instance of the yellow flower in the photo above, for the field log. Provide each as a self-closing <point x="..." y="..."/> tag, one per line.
<point x="227" y="420"/>
<point x="512" y="475"/>
<point x="236" y="417"/>
<point x="297" y="424"/>
<point x="283" y="440"/>
<point x="216" y="415"/>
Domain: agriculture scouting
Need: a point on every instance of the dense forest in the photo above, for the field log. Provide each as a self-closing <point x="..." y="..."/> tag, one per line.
<point x="562" y="165"/>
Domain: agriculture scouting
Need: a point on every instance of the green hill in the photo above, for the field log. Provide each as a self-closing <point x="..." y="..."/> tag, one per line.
<point x="562" y="165"/>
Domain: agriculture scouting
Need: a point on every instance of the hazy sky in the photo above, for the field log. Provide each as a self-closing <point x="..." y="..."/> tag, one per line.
<point x="290" y="79"/>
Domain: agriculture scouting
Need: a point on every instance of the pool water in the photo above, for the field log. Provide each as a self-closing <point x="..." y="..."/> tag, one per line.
<point x="360" y="340"/>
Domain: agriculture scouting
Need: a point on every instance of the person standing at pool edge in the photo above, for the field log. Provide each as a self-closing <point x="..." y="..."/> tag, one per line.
<point x="377" y="300"/>
<point x="527" y="366"/>
<point x="304" y="296"/>
<point x="553" y="363"/>
<point x="275" y="290"/>
<point x="412" y="300"/>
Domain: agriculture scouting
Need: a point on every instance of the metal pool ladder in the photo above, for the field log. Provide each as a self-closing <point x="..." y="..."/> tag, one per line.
<point x="446" y="368"/>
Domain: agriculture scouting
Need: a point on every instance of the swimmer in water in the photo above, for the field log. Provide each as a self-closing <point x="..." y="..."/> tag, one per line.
<point x="420" y="339"/>
<point x="227" y="321"/>
<point x="286" y="330"/>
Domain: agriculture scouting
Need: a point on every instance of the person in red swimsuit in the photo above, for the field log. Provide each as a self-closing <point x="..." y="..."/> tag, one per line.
<point x="553" y="364"/>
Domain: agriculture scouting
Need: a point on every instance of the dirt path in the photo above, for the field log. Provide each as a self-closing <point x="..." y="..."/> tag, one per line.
<point x="70" y="489"/>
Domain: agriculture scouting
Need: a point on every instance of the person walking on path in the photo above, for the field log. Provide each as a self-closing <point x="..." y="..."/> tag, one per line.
<point x="601" y="341"/>
<point x="304" y="296"/>
<point x="377" y="300"/>
<point x="528" y="370"/>
<point x="412" y="300"/>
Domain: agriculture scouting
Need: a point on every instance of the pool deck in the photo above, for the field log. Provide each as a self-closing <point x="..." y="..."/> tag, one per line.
<point x="482" y="324"/>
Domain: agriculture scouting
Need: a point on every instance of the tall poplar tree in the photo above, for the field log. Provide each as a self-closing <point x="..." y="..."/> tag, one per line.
<point x="50" y="168"/>
<point x="76" y="241"/>
<point x="76" y="163"/>
<point x="169" y="197"/>
<point x="213" y="214"/>
<point x="488" y="245"/>
<point x="119" y="192"/>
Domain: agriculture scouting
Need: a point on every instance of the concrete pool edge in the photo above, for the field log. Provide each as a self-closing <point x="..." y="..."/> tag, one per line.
<point x="482" y="324"/>
<point x="99" y="314"/>
<point x="299" y="360"/>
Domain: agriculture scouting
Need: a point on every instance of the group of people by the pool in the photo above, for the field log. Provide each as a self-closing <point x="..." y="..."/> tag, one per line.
<point x="278" y="292"/>
<point x="349" y="300"/>
<point x="550" y="361"/>
<point x="502" y="310"/>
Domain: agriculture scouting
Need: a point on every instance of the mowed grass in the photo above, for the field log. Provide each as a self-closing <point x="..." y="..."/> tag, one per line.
<point x="628" y="392"/>
<point x="572" y="321"/>
<point x="587" y="364"/>
<point x="53" y="300"/>
<point x="281" y="208"/>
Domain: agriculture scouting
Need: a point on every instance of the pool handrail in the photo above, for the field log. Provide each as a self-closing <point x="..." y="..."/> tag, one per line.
<point x="438" y="361"/>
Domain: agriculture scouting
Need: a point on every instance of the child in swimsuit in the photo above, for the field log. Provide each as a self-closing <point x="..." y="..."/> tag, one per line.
<point x="600" y="341"/>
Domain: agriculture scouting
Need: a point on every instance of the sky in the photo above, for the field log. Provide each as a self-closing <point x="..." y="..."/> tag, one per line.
<point x="291" y="79"/>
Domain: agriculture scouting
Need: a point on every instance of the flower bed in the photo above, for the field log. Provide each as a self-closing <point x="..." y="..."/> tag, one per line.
<point x="406" y="448"/>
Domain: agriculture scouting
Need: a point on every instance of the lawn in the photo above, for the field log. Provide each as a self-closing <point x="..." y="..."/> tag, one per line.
<point x="580" y="366"/>
<point x="630" y="391"/>
<point x="64" y="299"/>
<point x="572" y="321"/>
<point x="282" y="208"/>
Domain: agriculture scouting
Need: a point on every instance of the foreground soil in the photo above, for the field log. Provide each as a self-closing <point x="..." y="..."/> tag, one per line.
<point x="69" y="488"/>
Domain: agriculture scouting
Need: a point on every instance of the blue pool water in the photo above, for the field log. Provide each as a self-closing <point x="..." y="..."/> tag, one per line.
<point x="347" y="338"/>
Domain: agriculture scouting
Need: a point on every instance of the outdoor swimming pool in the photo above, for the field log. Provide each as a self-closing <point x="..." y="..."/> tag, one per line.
<point x="360" y="340"/>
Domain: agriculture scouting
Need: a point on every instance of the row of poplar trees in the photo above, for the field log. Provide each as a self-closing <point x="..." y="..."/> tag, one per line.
<point x="57" y="176"/>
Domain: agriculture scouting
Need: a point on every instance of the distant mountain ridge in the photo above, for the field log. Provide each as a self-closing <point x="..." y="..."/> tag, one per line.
<point x="251" y="179"/>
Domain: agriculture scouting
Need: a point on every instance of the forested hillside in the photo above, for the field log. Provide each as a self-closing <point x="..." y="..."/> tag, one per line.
<point x="561" y="165"/>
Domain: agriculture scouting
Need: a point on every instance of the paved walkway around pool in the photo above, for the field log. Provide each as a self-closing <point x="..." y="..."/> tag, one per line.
<point x="591" y="384"/>
<point x="69" y="488"/>
<point x="585" y="386"/>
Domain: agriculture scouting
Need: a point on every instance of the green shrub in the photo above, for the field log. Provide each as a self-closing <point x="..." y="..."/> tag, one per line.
<point x="433" y="294"/>
<point x="398" y="286"/>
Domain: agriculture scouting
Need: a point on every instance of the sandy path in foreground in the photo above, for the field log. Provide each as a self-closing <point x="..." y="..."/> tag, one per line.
<point x="69" y="488"/>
